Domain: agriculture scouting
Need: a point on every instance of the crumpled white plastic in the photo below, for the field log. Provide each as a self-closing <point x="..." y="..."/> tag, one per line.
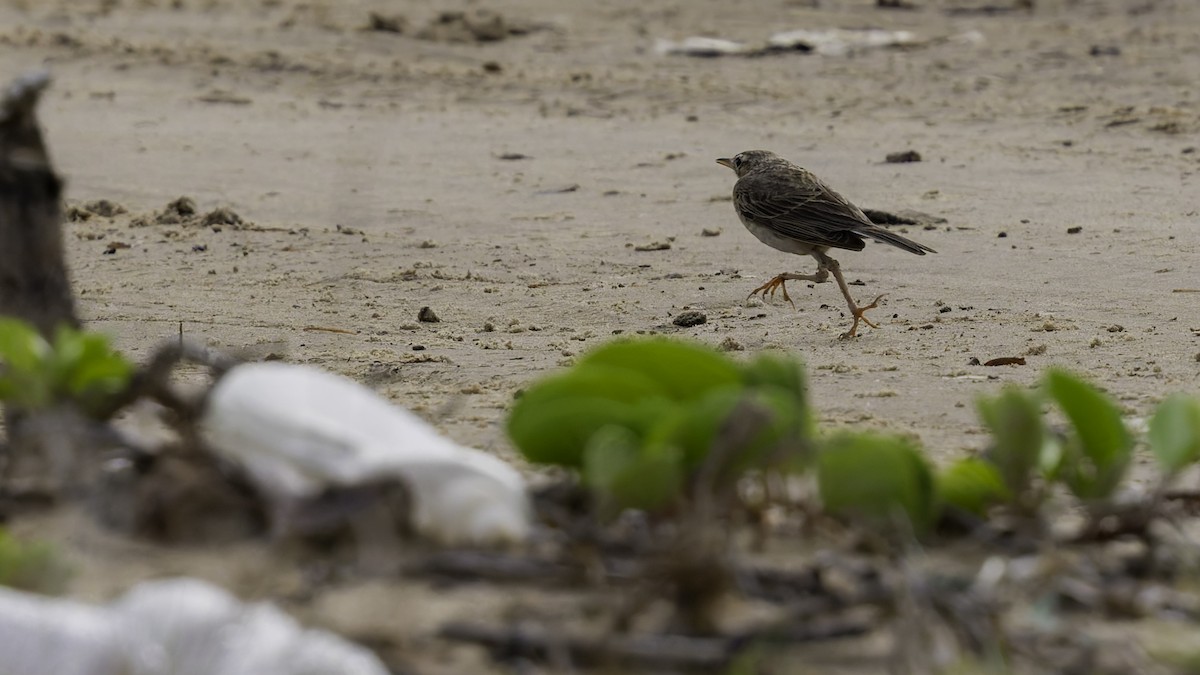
<point x="298" y="430"/>
<point x="839" y="42"/>
<point x="168" y="627"/>
<point x="827" y="42"/>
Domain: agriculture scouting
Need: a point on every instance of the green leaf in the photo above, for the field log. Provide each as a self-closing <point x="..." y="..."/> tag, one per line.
<point x="1175" y="432"/>
<point x="21" y="346"/>
<point x="1097" y="454"/>
<point x="617" y="465"/>
<point x="777" y="370"/>
<point x="1050" y="458"/>
<point x="553" y="420"/>
<point x="1014" y="419"/>
<point x="972" y="485"/>
<point x="24" y="378"/>
<point x="557" y="431"/>
<point x="91" y="368"/>
<point x="701" y="425"/>
<point x="594" y="381"/>
<point x="685" y="371"/>
<point x="877" y="478"/>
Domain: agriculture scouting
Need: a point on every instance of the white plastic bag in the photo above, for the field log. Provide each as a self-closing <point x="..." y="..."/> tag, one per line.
<point x="298" y="430"/>
<point x="170" y="627"/>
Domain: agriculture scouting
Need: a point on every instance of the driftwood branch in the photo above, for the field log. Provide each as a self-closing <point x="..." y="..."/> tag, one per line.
<point x="673" y="652"/>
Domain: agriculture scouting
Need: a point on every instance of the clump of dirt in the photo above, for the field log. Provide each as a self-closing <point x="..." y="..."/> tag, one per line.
<point x="386" y="23"/>
<point x="690" y="318"/>
<point x="478" y="25"/>
<point x="78" y="213"/>
<point x="222" y="216"/>
<point x="183" y="211"/>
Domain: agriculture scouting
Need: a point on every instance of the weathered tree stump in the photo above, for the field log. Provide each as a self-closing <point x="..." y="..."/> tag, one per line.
<point x="34" y="282"/>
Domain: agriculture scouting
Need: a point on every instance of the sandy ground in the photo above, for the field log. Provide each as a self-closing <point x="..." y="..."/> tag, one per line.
<point x="369" y="168"/>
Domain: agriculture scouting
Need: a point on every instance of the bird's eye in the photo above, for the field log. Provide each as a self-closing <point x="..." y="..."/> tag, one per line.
<point x="737" y="161"/>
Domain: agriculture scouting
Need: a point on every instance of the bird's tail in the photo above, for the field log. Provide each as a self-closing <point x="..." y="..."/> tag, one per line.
<point x="888" y="237"/>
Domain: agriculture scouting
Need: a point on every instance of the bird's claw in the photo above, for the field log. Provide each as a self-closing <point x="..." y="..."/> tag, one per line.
<point x="860" y="314"/>
<point x="770" y="287"/>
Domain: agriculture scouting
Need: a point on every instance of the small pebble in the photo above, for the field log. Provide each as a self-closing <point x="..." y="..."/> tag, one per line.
<point x="426" y="315"/>
<point x="1075" y="230"/>
<point x="903" y="157"/>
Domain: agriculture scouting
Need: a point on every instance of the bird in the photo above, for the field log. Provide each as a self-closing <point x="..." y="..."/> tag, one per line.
<point x="789" y="209"/>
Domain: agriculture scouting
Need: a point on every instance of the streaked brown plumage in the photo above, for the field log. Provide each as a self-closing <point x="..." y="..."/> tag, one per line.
<point x="788" y="208"/>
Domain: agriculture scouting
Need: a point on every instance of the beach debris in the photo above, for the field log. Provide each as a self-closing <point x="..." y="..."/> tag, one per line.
<point x="690" y="318"/>
<point x="826" y="42"/>
<point x="299" y="432"/>
<point x="386" y="23"/>
<point x="705" y="47"/>
<point x="654" y="246"/>
<point x="840" y="42"/>
<point x="903" y="157"/>
<point x="182" y="626"/>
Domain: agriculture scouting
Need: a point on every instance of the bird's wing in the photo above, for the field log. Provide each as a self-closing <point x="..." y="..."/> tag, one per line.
<point x="803" y="210"/>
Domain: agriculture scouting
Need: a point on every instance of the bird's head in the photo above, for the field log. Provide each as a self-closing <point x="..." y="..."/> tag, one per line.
<point x="750" y="160"/>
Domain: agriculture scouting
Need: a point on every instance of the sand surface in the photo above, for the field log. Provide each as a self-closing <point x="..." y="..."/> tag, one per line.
<point x="373" y="173"/>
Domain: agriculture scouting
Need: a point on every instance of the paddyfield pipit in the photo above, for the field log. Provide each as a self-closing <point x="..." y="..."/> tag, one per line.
<point x="790" y="209"/>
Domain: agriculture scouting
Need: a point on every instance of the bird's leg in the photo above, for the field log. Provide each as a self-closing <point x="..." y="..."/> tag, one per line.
<point x="821" y="276"/>
<point x="859" y="313"/>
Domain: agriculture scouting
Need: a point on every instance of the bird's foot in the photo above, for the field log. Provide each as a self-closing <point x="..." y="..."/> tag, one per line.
<point x="771" y="286"/>
<point x="860" y="314"/>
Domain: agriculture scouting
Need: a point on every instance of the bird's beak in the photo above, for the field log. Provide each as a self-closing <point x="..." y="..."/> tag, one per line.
<point x="725" y="161"/>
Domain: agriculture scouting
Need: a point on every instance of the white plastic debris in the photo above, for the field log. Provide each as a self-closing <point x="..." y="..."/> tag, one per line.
<point x="839" y="42"/>
<point x="169" y="627"/>
<point x="45" y="636"/>
<point x="298" y="430"/>
<point x="701" y="46"/>
<point x="829" y="42"/>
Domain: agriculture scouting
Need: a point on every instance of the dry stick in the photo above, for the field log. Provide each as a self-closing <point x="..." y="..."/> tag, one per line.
<point x="645" y="651"/>
<point x="651" y="651"/>
<point x="153" y="380"/>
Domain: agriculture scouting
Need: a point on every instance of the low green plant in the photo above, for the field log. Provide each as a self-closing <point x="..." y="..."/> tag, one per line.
<point x="1090" y="457"/>
<point x="639" y="418"/>
<point x="79" y="367"/>
<point x="876" y="478"/>
<point x="30" y="566"/>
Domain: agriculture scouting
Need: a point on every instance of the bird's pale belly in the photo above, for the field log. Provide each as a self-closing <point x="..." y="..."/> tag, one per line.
<point x="777" y="241"/>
